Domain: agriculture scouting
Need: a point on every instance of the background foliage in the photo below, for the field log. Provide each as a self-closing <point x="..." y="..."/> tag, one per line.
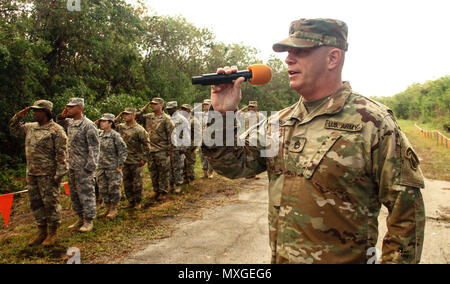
<point x="426" y="103"/>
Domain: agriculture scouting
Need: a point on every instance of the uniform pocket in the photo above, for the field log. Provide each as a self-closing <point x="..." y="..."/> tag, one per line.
<point x="338" y="167"/>
<point x="315" y="160"/>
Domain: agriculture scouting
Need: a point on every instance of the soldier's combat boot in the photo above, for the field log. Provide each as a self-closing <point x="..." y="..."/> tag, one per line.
<point x="177" y="189"/>
<point x="40" y="237"/>
<point x="108" y="208"/>
<point x="112" y="211"/>
<point x="52" y="236"/>
<point x="77" y="225"/>
<point x="205" y="173"/>
<point x="87" y="226"/>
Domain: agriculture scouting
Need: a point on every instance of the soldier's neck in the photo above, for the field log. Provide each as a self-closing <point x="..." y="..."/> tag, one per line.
<point x="43" y="123"/>
<point x="78" y="116"/>
<point x="130" y="123"/>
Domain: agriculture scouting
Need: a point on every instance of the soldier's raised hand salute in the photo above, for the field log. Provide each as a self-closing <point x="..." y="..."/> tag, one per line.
<point x="23" y="112"/>
<point x="64" y="113"/>
<point x="118" y="117"/>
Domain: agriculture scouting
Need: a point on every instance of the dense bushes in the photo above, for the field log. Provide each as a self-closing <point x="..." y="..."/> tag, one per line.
<point x="426" y="103"/>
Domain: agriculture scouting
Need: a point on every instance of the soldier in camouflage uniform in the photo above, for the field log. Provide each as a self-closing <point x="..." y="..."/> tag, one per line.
<point x="113" y="153"/>
<point x="206" y="166"/>
<point x="45" y="148"/>
<point x="160" y="128"/>
<point x="189" y="153"/>
<point x="177" y="157"/>
<point x="337" y="156"/>
<point x="138" y="148"/>
<point x="252" y="118"/>
<point x="84" y="148"/>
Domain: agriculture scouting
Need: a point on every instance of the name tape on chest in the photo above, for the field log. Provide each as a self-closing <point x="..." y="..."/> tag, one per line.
<point x="344" y="126"/>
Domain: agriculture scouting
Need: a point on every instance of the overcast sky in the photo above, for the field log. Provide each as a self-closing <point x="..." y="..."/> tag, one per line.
<point x="392" y="44"/>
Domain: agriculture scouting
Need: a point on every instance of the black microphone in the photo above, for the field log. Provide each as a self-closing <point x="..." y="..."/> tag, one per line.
<point x="257" y="74"/>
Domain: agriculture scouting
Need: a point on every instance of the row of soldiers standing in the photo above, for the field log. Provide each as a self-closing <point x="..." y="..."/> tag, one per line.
<point x="107" y="155"/>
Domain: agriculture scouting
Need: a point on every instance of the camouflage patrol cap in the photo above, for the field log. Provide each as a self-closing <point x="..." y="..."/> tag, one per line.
<point x="171" y="104"/>
<point x="42" y="105"/>
<point x="207" y="102"/>
<point x="252" y="103"/>
<point x="129" y="110"/>
<point x="157" y="101"/>
<point x="75" y="102"/>
<point x="186" y="106"/>
<point x="315" y="32"/>
<point x="108" y="116"/>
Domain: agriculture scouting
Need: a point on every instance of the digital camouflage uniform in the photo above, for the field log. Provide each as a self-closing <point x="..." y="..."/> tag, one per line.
<point x="160" y="130"/>
<point x="113" y="153"/>
<point x="83" y="151"/>
<point x="177" y="158"/>
<point x="205" y="164"/>
<point x="189" y="153"/>
<point x="253" y="117"/>
<point x="138" y="148"/>
<point x="45" y="149"/>
<point x="333" y="169"/>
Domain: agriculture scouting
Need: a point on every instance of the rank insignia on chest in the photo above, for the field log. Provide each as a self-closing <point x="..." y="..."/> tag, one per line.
<point x="297" y="144"/>
<point x="344" y="126"/>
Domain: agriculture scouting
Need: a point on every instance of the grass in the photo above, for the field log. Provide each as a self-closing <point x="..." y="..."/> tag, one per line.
<point x="111" y="240"/>
<point x="434" y="158"/>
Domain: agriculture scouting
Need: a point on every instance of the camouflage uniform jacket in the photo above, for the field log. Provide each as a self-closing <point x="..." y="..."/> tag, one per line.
<point x="84" y="145"/>
<point x="252" y="117"/>
<point x="113" y="150"/>
<point x="333" y="169"/>
<point x="159" y="129"/>
<point x="45" y="147"/>
<point x="136" y="139"/>
<point x="180" y="122"/>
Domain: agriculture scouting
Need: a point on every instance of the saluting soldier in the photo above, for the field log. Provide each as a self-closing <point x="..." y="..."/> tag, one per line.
<point x="181" y="125"/>
<point x="189" y="153"/>
<point x="45" y="149"/>
<point x="160" y="127"/>
<point x="113" y="153"/>
<point x="206" y="166"/>
<point x="138" y="149"/>
<point x="84" y="148"/>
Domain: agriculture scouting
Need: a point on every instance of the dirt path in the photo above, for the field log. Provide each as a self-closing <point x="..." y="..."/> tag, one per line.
<point x="237" y="232"/>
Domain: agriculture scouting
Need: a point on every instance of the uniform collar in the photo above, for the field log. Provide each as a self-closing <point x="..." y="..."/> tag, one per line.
<point x="50" y="123"/>
<point x="79" y="121"/>
<point x="104" y="134"/>
<point x="332" y="105"/>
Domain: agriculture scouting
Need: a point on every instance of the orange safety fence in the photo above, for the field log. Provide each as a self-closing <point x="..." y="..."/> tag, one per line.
<point x="434" y="135"/>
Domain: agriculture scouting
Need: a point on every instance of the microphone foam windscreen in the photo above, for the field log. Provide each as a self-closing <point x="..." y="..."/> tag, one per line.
<point x="261" y="74"/>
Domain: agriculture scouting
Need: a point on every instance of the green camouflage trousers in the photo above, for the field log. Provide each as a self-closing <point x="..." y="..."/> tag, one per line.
<point x="189" y="163"/>
<point x="176" y="166"/>
<point x="205" y="164"/>
<point x="132" y="182"/>
<point x="109" y="182"/>
<point x="82" y="193"/>
<point x="43" y="195"/>
<point x="159" y="168"/>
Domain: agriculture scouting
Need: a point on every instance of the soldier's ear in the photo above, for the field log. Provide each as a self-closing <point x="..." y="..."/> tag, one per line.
<point x="335" y="57"/>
